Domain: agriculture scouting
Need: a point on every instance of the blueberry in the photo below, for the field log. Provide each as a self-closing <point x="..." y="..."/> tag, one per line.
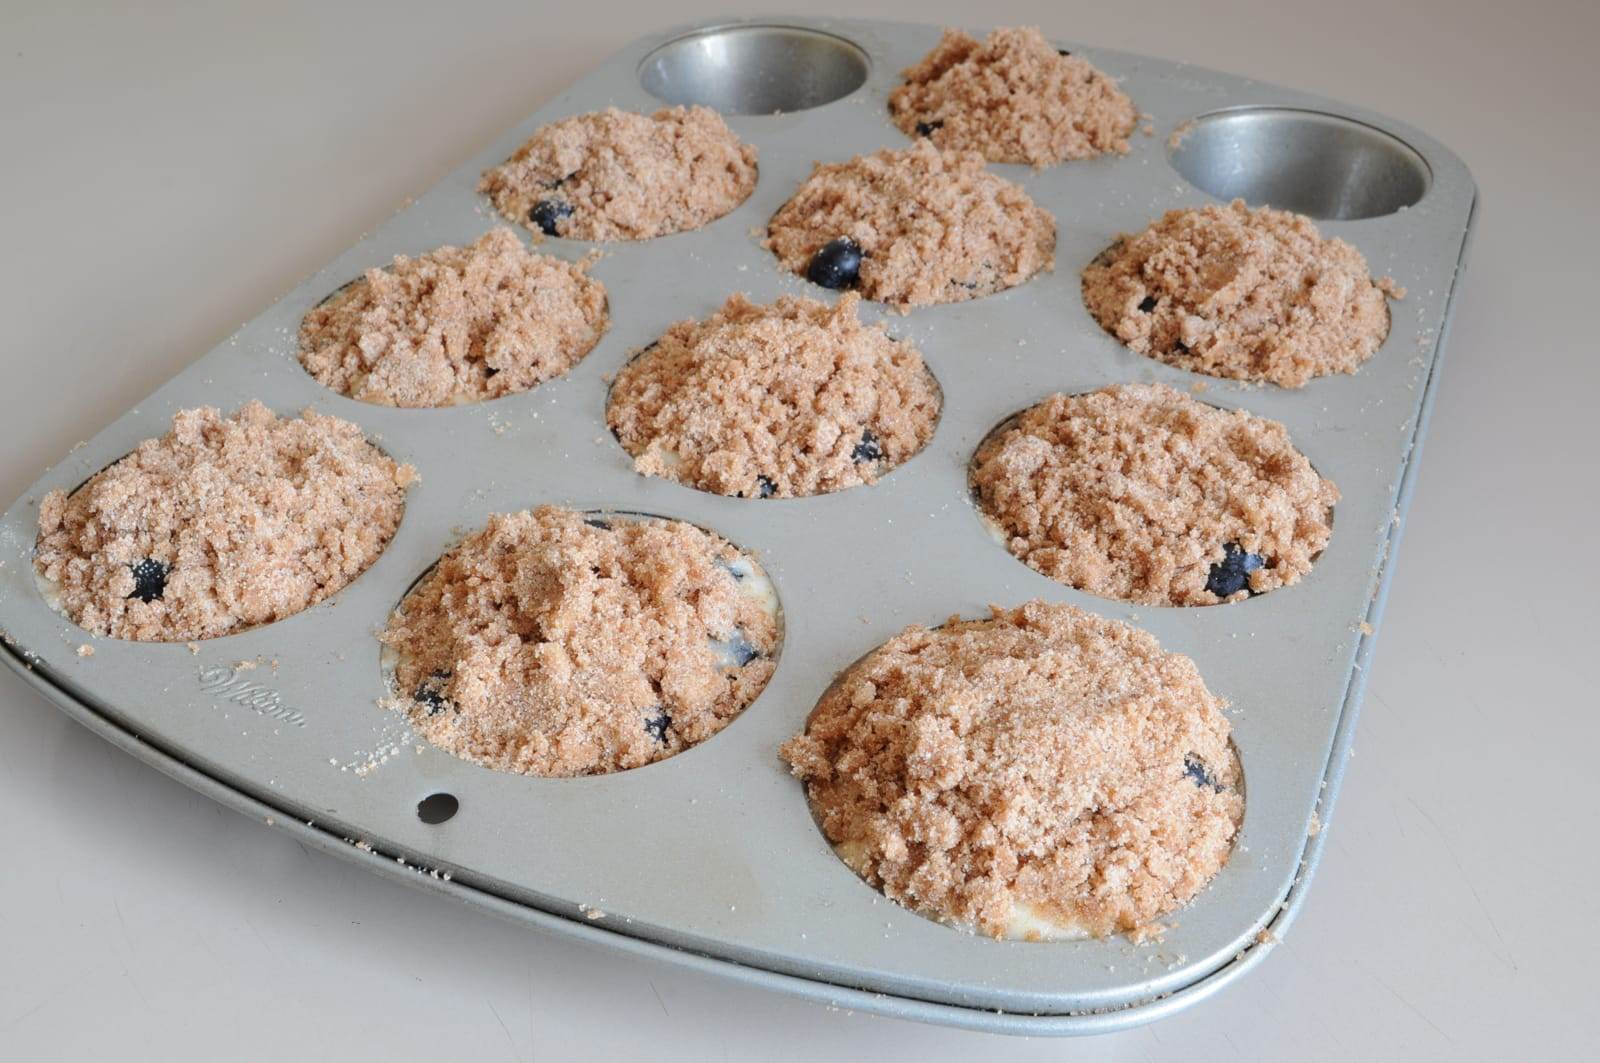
<point x="656" y="726"/>
<point x="1147" y="304"/>
<point x="149" y="580"/>
<point x="836" y="265"/>
<point x="1232" y="574"/>
<point x="1179" y="347"/>
<point x="766" y="487"/>
<point x="869" y="449"/>
<point x="738" y="649"/>
<point x="1196" y="770"/>
<point x="430" y="693"/>
<point x="596" y="522"/>
<point x="926" y="128"/>
<point x="547" y="212"/>
<point x="1062" y="51"/>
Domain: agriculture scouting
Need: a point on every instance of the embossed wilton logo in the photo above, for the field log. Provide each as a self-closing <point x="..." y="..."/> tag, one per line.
<point x="224" y="683"/>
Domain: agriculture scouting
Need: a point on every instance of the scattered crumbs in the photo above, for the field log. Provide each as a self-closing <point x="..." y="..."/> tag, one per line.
<point x="1366" y="628"/>
<point x="1316" y="825"/>
<point x="85" y="650"/>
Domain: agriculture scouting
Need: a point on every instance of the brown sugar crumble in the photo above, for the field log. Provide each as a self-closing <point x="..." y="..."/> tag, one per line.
<point x="554" y="643"/>
<point x="456" y="325"/>
<point x="219" y="525"/>
<point x="1241" y="293"/>
<point x="1041" y="773"/>
<point x="1141" y="493"/>
<point x="616" y="175"/>
<point x="1014" y="98"/>
<point x="780" y="401"/>
<point x="931" y="226"/>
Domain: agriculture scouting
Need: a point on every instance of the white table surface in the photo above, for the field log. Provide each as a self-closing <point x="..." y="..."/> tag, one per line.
<point x="164" y="175"/>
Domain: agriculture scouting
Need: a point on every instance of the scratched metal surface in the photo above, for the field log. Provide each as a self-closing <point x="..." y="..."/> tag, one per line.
<point x="712" y="857"/>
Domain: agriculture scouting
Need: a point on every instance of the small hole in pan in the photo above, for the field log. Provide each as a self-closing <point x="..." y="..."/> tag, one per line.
<point x="1317" y="164"/>
<point x="754" y="69"/>
<point x="437" y="808"/>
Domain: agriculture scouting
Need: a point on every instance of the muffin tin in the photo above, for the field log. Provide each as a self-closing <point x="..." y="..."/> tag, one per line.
<point x="711" y="858"/>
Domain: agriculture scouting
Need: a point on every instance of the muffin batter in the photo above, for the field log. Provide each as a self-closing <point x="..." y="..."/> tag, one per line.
<point x="779" y="401"/>
<point x="1141" y="493"/>
<point x="615" y="175"/>
<point x="912" y="227"/>
<point x="554" y="643"/>
<point x="1014" y="98"/>
<point x="1241" y="293"/>
<point x="456" y="325"/>
<point x="1042" y="773"/>
<point x="219" y="525"/>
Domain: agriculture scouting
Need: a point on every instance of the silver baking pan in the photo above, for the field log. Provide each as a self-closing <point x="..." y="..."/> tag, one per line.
<point x="711" y="858"/>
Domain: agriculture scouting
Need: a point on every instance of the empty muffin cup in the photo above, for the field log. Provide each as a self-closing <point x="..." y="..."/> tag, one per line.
<point x="1320" y="165"/>
<point x="754" y="69"/>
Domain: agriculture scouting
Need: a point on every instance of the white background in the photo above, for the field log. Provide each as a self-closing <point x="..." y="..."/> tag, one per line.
<point x="166" y="174"/>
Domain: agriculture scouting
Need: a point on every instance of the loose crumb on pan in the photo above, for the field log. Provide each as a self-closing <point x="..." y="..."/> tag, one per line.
<point x="1014" y="97"/>
<point x="789" y="399"/>
<point x="1241" y="293"/>
<point x="1043" y="767"/>
<point x="616" y="175"/>
<point x="551" y="643"/>
<point x="221" y="524"/>
<point x="931" y="226"/>
<point x="1139" y="492"/>
<point x="456" y="325"/>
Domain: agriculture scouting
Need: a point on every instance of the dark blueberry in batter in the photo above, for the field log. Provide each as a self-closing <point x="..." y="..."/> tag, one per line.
<point x="766" y="487"/>
<point x="596" y="522"/>
<point x="869" y="449"/>
<point x="430" y="693"/>
<point x="737" y="649"/>
<point x="1062" y="51"/>
<point x="547" y="212"/>
<point x="1179" y="347"/>
<point x="1147" y="304"/>
<point x="1194" y="769"/>
<point x="837" y="264"/>
<point x="1232" y="574"/>
<point x="656" y="726"/>
<point x="149" y="580"/>
<point x="926" y="128"/>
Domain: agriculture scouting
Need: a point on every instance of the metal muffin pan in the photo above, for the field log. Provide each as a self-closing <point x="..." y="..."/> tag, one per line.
<point x="711" y="858"/>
